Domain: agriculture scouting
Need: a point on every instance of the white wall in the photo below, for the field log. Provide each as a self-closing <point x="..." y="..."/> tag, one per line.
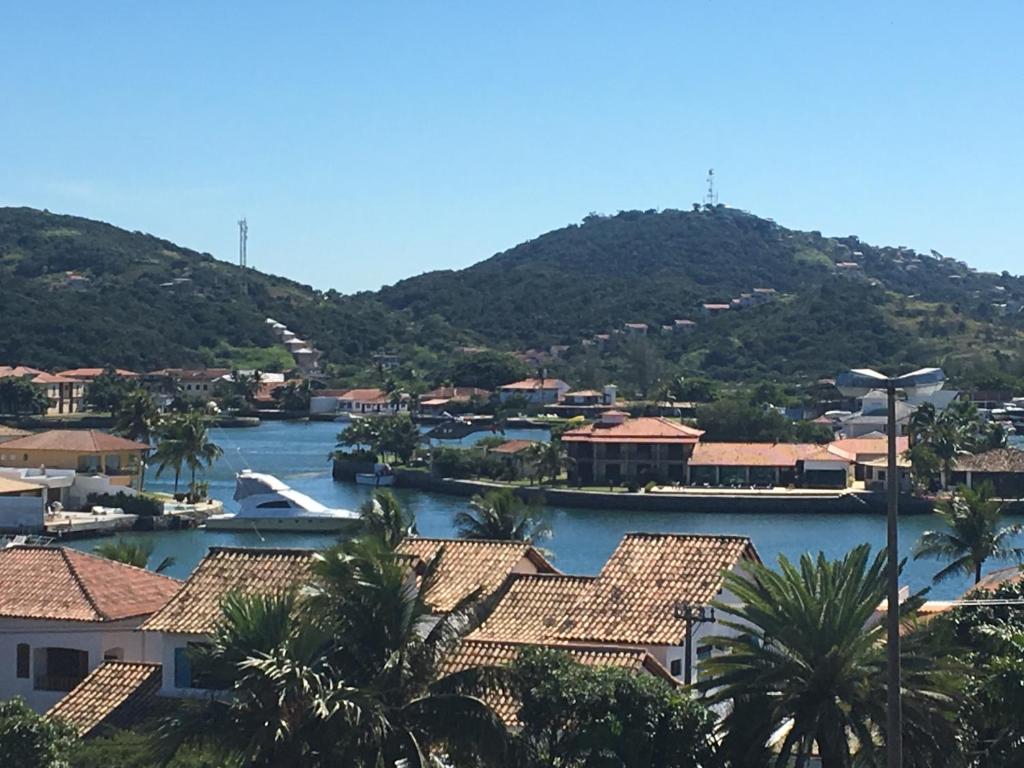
<point x="95" y="638"/>
<point x="22" y="513"/>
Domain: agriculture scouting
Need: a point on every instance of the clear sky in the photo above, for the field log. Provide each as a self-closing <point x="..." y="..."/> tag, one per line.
<point x="371" y="141"/>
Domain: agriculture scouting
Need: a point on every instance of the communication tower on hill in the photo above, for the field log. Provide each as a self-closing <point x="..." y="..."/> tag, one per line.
<point x="243" y="259"/>
<point x="711" y="198"/>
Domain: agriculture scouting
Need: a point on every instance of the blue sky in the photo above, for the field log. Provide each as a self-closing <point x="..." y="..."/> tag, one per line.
<point x="367" y="142"/>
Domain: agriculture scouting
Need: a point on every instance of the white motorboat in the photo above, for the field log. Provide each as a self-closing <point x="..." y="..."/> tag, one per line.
<point x="267" y="504"/>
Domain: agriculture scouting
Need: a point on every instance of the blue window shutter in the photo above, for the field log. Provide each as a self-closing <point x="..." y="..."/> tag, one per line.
<point x="182" y="668"/>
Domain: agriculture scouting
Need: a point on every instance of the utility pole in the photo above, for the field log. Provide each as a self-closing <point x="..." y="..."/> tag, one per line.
<point x="243" y="260"/>
<point x="711" y="197"/>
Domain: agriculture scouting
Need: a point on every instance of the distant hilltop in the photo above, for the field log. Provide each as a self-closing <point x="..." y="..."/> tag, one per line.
<point x="76" y="292"/>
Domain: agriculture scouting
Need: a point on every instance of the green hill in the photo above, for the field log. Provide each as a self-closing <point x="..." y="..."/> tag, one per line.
<point x="79" y="292"/>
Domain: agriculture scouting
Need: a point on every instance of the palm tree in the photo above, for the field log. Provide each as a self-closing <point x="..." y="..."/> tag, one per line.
<point x="129" y="552"/>
<point x="170" y="448"/>
<point x="196" y="448"/>
<point x="973" y="533"/>
<point x="806" y="655"/>
<point x="547" y="459"/>
<point x="385" y="518"/>
<point x="138" y="417"/>
<point x="501" y="515"/>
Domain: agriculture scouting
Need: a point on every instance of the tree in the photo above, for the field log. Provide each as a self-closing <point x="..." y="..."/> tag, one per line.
<point x="546" y="459"/>
<point x="576" y="716"/>
<point x="294" y="396"/>
<point x="131" y="552"/>
<point x="384" y="518"/>
<point x="741" y="421"/>
<point x="107" y="391"/>
<point x="501" y="515"/>
<point x="137" y="417"/>
<point x="486" y="370"/>
<point x="973" y="533"/>
<point x="399" y="436"/>
<point x="246" y="385"/>
<point x="937" y="438"/>
<point x="19" y="395"/>
<point x="170" y="447"/>
<point x="807" y="650"/>
<point x="691" y="389"/>
<point x="197" y="449"/>
<point x="29" y="740"/>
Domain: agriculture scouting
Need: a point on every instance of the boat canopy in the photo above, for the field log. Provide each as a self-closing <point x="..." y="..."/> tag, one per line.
<point x="249" y="483"/>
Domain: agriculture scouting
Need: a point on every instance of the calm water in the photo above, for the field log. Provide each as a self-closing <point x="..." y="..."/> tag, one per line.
<point x="582" y="539"/>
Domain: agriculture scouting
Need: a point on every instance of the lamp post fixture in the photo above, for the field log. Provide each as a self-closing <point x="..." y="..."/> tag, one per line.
<point x="857" y="383"/>
<point x="691" y="614"/>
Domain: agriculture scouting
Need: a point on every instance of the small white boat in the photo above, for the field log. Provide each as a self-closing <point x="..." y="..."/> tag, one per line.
<point x="267" y="504"/>
<point x="381" y="477"/>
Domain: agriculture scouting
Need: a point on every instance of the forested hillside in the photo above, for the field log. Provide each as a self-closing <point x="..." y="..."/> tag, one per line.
<point x="78" y="292"/>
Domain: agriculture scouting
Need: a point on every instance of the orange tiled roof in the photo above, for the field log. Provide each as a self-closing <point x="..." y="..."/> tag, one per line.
<point x="196" y="607"/>
<point x="634" y="597"/>
<point x="852" y="447"/>
<point x="51" y="378"/>
<point x="645" y="429"/>
<point x="752" y="454"/>
<point x="470" y="654"/>
<point x="74" y="441"/>
<point x="92" y="373"/>
<point x="513" y="446"/>
<point x="367" y="395"/>
<point x="996" y="460"/>
<point x="532" y="384"/>
<point x="532" y="608"/>
<point x="109" y="689"/>
<point x="64" y="584"/>
<point x="18" y="371"/>
<point x="6" y="431"/>
<point x="455" y="393"/>
<point x="470" y="564"/>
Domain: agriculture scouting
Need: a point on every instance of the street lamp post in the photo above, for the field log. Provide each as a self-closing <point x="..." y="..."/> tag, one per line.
<point x="691" y="614"/>
<point x="857" y="383"/>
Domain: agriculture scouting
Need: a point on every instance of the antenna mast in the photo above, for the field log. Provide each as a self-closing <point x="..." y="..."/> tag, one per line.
<point x="711" y="198"/>
<point x="243" y="259"/>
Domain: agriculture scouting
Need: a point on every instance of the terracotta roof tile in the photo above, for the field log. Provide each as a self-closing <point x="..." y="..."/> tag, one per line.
<point x="65" y="584"/>
<point x="752" y="454"/>
<point x="996" y="460"/>
<point x="12" y="432"/>
<point x="471" y="654"/>
<point x="109" y="690"/>
<point x="534" y="384"/>
<point x="369" y="395"/>
<point x="92" y="373"/>
<point x="645" y="429"/>
<point x="471" y="564"/>
<point x="634" y="597"/>
<point x="852" y="447"/>
<point x="196" y="608"/>
<point x="512" y="446"/>
<point x="75" y="441"/>
<point x="532" y="607"/>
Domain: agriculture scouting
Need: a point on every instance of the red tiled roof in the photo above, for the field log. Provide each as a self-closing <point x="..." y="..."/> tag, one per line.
<point x="92" y="373"/>
<point x="645" y="429"/>
<point x="584" y="393"/>
<point x="533" y="384"/>
<point x="367" y="395"/>
<point x="1008" y="460"/>
<point x="50" y="378"/>
<point x="513" y="446"/>
<point x="65" y="584"/>
<point x="74" y="441"/>
<point x="853" y="447"/>
<point x="196" y="607"/>
<point x="532" y="607"/>
<point x="752" y="454"/>
<point x="633" y="599"/>
<point x="109" y="689"/>
<point x="468" y="565"/>
<point x="455" y="393"/>
<point x="18" y="371"/>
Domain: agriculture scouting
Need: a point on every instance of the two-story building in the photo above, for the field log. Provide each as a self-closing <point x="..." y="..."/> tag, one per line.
<point x="618" y="448"/>
<point x="539" y="391"/>
<point x="63" y="612"/>
<point x="64" y="395"/>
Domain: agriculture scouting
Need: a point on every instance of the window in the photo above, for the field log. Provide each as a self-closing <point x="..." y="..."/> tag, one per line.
<point x="24" y="654"/>
<point x="274" y="505"/>
<point x="676" y="667"/>
<point x="703" y="652"/>
<point x="89" y="464"/>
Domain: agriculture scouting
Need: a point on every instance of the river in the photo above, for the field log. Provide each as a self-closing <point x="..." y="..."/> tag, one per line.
<point x="582" y="539"/>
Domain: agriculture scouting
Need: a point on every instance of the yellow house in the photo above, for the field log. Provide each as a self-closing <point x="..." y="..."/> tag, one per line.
<point x="87" y="451"/>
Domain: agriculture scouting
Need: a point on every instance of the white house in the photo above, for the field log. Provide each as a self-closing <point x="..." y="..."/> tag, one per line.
<point x="63" y="612"/>
<point x="534" y="391"/>
<point x="872" y="416"/>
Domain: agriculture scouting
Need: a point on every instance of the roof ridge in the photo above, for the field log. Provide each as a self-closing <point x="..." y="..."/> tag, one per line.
<point x="118" y="563"/>
<point x="576" y="576"/>
<point x="261" y="550"/>
<point x="682" y="535"/>
<point x="455" y="539"/>
<point x="81" y="584"/>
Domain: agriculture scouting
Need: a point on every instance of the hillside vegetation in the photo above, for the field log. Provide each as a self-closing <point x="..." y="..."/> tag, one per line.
<point x="145" y="302"/>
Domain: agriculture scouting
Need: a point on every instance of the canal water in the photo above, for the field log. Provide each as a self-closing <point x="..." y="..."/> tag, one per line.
<point x="582" y="539"/>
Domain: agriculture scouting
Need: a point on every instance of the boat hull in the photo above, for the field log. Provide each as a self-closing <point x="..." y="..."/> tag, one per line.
<point x="294" y="524"/>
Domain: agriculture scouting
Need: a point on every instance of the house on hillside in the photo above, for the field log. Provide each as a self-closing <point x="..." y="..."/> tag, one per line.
<point x="618" y="448"/>
<point x="441" y="399"/>
<point x="635" y="329"/>
<point x="538" y="391"/>
<point x="372" y="401"/>
<point x="584" y="402"/>
<point x="64" y="612"/>
<point x="64" y="395"/>
<point x="715" y="309"/>
<point x="767" y="464"/>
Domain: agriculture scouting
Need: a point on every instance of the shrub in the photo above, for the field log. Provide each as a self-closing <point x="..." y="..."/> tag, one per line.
<point x="143" y="506"/>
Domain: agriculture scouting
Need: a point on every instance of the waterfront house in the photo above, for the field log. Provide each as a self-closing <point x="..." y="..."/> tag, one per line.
<point x="22" y="506"/>
<point x="63" y="612"/>
<point x="584" y="402"/>
<point x="767" y="464"/>
<point x="441" y="399"/>
<point x="189" y="617"/>
<point x="372" y="400"/>
<point x="536" y="391"/>
<point x="85" y="451"/>
<point x="514" y="453"/>
<point x="862" y="451"/>
<point x="619" y="448"/>
<point x="1003" y="467"/>
<point x="196" y="384"/>
<point x="64" y="394"/>
<point x="639" y="600"/>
